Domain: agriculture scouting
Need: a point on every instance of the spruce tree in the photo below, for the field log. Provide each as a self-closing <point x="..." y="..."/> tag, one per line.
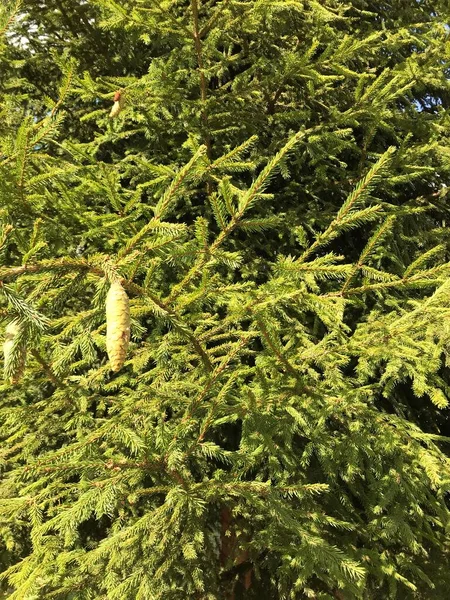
<point x="225" y="299"/>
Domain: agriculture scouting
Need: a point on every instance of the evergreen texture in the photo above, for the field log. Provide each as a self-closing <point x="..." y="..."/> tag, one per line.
<point x="270" y="193"/>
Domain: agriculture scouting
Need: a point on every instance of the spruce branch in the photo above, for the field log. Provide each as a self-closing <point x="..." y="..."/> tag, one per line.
<point x="274" y="346"/>
<point x="203" y="81"/>
<point x="13" y="12"/>
<point x="345" y="216"/>
<point x="213" y="378"/>
<point x="245" y="202"/>
<point x="430" y="278"/>
<point x="179" y="25"/>
<point x="24" y="310"/>
<point x="372" y="244"/>
<point x="263" y="179"/>
<point x="233" y="156"/>
<point x="68" y="265"/>
<point x="47" y="368"/>
<point x="423" y="259"/>
<point x="64" y="88"/>
<point x="213" y="19"/>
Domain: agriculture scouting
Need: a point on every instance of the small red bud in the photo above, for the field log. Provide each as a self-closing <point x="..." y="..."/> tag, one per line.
<point x="116" y="96"/>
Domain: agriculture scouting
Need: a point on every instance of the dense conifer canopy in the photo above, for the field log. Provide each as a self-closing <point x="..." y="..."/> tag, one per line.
<point x="270" y="194"/>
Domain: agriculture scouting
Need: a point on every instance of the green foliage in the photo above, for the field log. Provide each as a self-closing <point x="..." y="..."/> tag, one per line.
<point x="273" y="199"/>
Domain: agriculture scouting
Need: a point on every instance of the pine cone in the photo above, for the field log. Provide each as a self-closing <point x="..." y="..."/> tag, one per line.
<point x="117" y="325"/>
<point x="11" y="331"/>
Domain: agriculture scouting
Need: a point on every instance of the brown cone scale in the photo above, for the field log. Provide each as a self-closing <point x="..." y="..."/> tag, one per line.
<point x="117" y="325"/>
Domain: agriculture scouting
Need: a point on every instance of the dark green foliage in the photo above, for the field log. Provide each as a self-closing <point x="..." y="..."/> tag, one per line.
<point x="273" y="198"/>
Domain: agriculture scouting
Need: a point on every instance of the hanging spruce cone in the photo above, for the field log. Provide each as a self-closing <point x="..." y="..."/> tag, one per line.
<point x="117" y="106"/>
<point x="115" y="110"/>
<point x="117" y="325"/>
<point x="11" y="331"/>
